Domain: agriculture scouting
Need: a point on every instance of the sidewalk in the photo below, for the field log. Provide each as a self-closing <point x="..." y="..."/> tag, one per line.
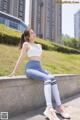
<point x="72" y="105"/>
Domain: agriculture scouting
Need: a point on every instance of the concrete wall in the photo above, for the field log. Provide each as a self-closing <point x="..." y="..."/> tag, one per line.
<point x="20" y="94"/>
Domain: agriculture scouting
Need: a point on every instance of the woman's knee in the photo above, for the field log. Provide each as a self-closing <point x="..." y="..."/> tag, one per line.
<point x="50" y="79"/>
<point x="47" y="81"/>
<point x="51" y="76"/>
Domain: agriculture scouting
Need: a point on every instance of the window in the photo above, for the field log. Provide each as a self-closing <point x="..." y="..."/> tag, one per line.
<point x="21" y="8"/>
<point x="2" y="20"/>
<point x="13" y="24"/>
<point x="21" y="2"/>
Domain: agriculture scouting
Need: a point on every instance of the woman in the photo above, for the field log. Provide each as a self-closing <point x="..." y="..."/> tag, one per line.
<point x="34" y="70"/>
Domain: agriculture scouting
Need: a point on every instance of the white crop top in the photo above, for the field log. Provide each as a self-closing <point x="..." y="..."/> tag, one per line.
<point x="34" y="50"/>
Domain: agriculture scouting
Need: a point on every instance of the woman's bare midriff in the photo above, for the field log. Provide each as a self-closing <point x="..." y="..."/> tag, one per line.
<point x="35" y="58"/>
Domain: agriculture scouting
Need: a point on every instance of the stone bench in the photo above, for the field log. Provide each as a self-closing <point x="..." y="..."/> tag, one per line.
<point x="20" y="94"/>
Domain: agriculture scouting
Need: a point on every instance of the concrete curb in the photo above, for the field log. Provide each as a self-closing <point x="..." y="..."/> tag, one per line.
<point x="19" y="94"/>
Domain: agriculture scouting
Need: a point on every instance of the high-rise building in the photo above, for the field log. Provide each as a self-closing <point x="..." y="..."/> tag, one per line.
<point x="12" y="22"/>
<point x="13" y="7"/>
<point x="77" y="24"/>
<point x="45" y="19"/>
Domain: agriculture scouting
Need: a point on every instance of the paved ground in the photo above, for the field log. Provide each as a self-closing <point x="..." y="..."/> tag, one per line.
<point x="72" y="105"/>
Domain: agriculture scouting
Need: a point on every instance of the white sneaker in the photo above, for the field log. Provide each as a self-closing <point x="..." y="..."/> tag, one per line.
<point x="63" y="113"/>
<point x="50" y="113"/>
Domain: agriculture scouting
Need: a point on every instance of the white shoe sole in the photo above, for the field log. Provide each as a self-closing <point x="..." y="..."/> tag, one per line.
<point x="63" y="116"/>
<point x="45" y="114"/>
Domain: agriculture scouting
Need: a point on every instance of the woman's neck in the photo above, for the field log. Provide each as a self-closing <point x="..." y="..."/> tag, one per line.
<point x="31" y="42"/>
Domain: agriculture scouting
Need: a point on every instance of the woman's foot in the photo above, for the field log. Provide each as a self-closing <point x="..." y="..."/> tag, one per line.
<point x="50" y="113"/>
<point x="61" y="110"/>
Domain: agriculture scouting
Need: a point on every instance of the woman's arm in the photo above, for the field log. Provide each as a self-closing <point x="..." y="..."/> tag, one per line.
<point x="20" y="59"/>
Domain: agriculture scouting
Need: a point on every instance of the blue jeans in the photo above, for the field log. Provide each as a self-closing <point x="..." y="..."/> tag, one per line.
<point x="34" y="70"/>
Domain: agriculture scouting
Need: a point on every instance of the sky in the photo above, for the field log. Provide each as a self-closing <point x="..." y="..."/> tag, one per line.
<point x="68" y="11"/>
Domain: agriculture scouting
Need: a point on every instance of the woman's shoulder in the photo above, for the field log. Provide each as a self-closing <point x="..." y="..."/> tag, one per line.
<point x="25" y="44"/>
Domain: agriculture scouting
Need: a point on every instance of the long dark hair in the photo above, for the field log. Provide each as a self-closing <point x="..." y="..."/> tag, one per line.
<point x="26" y="34"/>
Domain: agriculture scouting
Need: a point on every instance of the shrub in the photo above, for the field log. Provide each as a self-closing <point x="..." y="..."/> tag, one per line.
<point x="12" y="37"/>
<point x="71" y="42"/>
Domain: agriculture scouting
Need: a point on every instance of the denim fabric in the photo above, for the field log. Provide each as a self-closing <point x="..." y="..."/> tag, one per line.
<point x="34" y="70"/>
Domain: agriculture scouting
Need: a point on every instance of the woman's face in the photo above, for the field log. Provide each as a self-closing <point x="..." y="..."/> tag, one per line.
<point x="32" y="35"/>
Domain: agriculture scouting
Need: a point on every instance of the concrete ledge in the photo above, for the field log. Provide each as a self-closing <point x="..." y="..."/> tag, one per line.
<point x="20" y="94"/>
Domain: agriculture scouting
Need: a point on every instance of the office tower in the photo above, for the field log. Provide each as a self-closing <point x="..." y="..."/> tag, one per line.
<point x="45" y="19"/>
<point x="13" y="7"/>
<point x="77" y="24"/>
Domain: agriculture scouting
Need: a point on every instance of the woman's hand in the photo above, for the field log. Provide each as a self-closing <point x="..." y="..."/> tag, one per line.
<point x="11" y="75"/>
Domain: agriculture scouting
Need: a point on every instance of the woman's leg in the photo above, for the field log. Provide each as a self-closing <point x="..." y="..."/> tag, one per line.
<point x="39" y="75"/>
<point x="54" y="88"/>
<point x="47" y="78"/>
<point x="49" y="111"/>
<point x="55" y="92"/>
<point x="36" y="74"/>
<point x="47" y="92"/>
<point x="60" y="108"/>
<point x="49" y="84"/>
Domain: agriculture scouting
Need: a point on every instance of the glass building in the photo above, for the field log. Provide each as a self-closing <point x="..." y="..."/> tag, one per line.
<point x="13" y="7"/>
<point x="77" y="24"/>
<point x="12" y="22"/>
<point x="46" y="19"/>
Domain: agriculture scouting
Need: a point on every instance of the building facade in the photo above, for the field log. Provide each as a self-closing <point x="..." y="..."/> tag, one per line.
<point x="77" y="24"/>
<point x="12" y="22"/>
<point x="45" y="19"/>
<point x="13" y="7"/>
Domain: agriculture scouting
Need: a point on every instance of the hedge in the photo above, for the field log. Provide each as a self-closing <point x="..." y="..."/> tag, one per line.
<point x="12" y="37"/>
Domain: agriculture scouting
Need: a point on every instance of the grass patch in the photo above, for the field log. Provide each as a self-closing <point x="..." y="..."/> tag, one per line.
<point x="55" y="62"/>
